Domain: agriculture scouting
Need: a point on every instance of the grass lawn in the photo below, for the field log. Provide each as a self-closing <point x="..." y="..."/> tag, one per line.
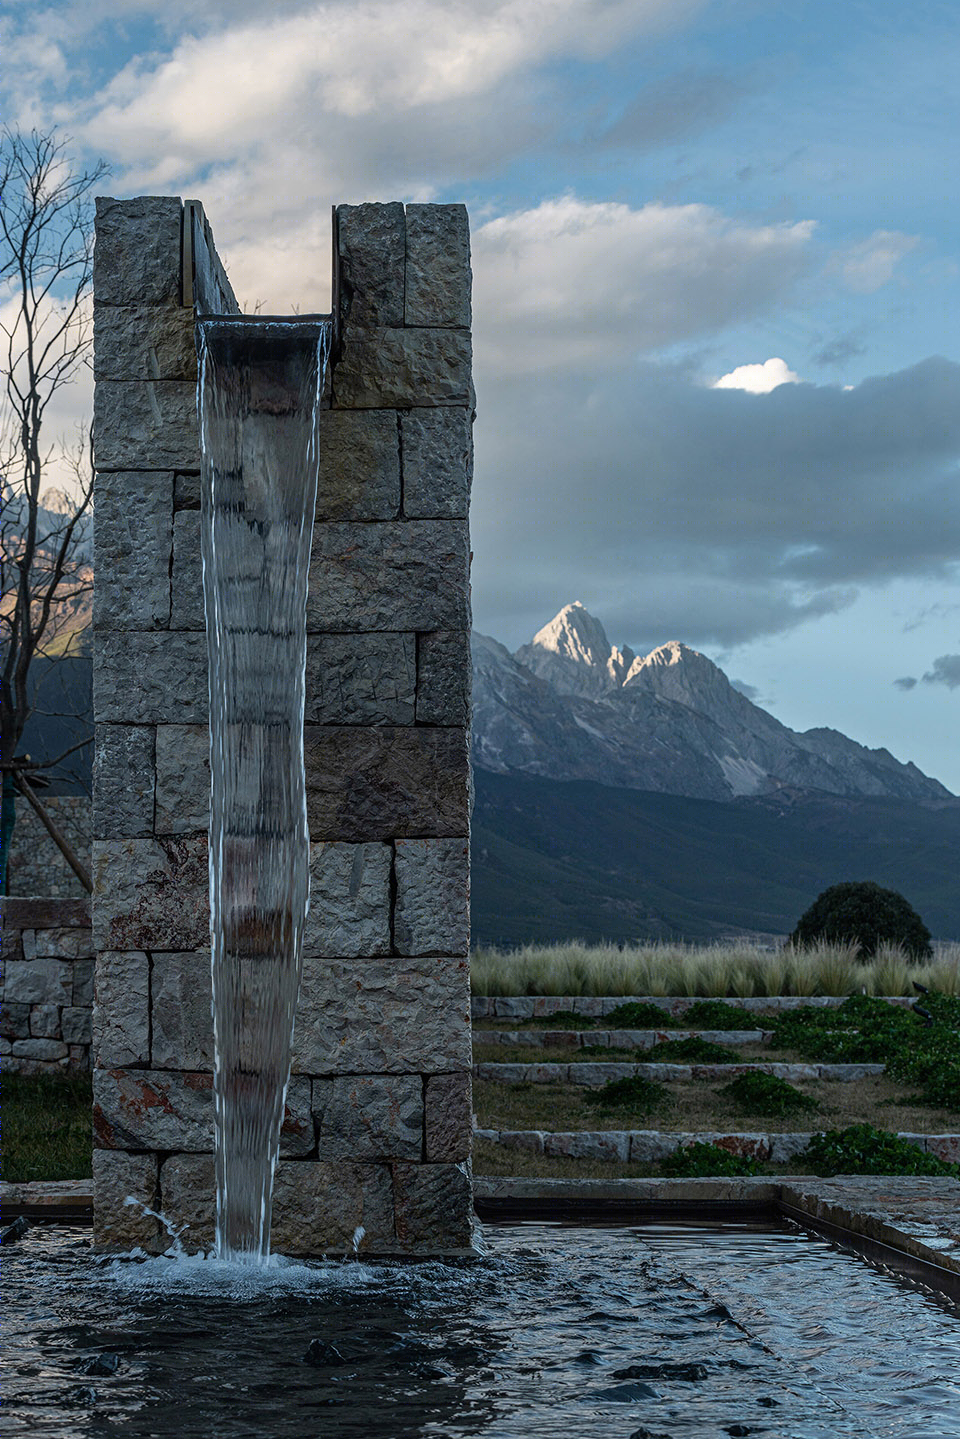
<point x="46" y="1127"/>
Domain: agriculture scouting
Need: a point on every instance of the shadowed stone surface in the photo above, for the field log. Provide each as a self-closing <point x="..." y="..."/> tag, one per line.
<point x="438" y="274"/>
<point x="403" y="368"/>
<point x="433" y="1206"/>
<point x="121" y="1011"/>
<point x="133" y="578"/>
<point x="153" y="678"/>
<point x="369" y="1116"/>
<point x="145" y="424"/>
<point x="73" y="943"/>
<point x="116" y="1224"/>
<point x="150" y="894"/>
<point x="140" y="342"/>
<point x="361" y="679"/>
<point x="317" y="1205"/>
<point x="376" y="1016"/>
<point x="123" y="781"/>
<point x="45" y="980"/>
<point x="136" y="259"/>
<point x="148" y="1109"/>
<point x="379" y="783"/>
<point x="432" y="911"/>
<point x="359" y="477"/>
<point x="182" y="1019"/>
<point x="372" y="244"/>
<point x="186" y="491"/>
<point x="183" y="779"/>
<point x="437" y="463"/>
<point x="349" y="900"/>
<point x="400" y="575"/>
<point x="186" y="585"/>
<point x="188" y="1189"/>
<point x="448" y="1115"/>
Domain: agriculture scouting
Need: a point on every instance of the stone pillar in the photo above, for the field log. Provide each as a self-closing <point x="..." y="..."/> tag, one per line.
<point x="378" y="1122"/>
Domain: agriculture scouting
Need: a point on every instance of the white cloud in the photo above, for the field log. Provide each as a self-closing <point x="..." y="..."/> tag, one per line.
<point x="758" y="379"/>
<point x="869" y="265"/>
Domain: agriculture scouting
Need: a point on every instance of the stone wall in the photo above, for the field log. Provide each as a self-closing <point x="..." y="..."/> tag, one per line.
<point x="36" y="865"/>
<point x="378" y="1124"/>
<point x="46" y="987"/>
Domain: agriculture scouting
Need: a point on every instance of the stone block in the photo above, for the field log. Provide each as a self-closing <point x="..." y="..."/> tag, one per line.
<point x="136" y="259"/>
<point x="395" y="575"/>
<point x="75" y="1024"/>
<point x="83" y="981"/>
<point x="121" y="1011"/>
<point x="46" y="1049"/>
<point x="385" y="782"/>
<point x="145" y="425"/>
<point x="444" y="678"/>
<point x="528" y="1141"/>
<point x="186" y="491"/>
<point x="349" y="900"/>
<point x="123" y="781"/>
<point x="38" y="913"/>
<point x="151" y="894"/>
<point x="369" y="1116"/>
<point x="372" y="242"/>
<point x="437" y="462"/>
<point x="647" y="1146"/>
<point x="119" y="1224"/>
<point x="188" y="1199"/>
<point x="432" y="910"/>
<point x="132" y="537"/>
<point x="11" y="940"/>
<point x="183" y="779"/>
<point x="297" y="1136"/>
<point x="319" y="1204"/>
<point x="58" y="944"/>
<point x="152" y="1109"/>
<point x="143" y="342"/>
<point x="150" y="678"/>
<point x="784" y="1147"/>
<point x="361" y="679"/>
<point x="400" y="369"/>
<point x="433" y="1207"/>
<point x="376" y="1016"/>
<point x="448" y="1117"/>
<point x="606" y="1145"/>
<point x="186" y="581"/>
<point x="944" y="1146"/>
<point x="359" y="474"/>
<point x="44" y="1021"/>
<point x="14" y="1020"/>
<point x="438" y="276"/>
<point x="44" y="980"/>
<point x="181" y="1002"/>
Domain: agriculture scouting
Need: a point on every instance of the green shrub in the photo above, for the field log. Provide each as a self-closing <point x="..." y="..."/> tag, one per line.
<point x="933" y="1061"/>
<point x="861" y="1030"/>
<point x="861" y="1149"/>
<point x="715" y="1014"/>
<point x="635" y="1093"/>
<point x="694" y="1160"/>
<point x="691" y="1050"/>
<point x="767" y="1094"/>
<point x="863" y="912"/>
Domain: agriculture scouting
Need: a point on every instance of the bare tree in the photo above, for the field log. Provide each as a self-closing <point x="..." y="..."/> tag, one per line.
<point x="46" y="263"/>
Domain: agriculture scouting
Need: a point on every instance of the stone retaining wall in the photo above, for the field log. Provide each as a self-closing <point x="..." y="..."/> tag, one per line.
<point x="649" y="1146"/>
<point x="514" y="1006"/>
<point x="46" y="988"/>
<point x="378" y="1121"/>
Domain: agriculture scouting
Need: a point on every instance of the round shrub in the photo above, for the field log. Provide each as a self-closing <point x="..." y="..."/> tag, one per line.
<point x="863" y="912"/>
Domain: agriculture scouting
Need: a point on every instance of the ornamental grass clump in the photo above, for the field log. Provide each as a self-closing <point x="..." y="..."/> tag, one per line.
<point x="758" y="1093"/>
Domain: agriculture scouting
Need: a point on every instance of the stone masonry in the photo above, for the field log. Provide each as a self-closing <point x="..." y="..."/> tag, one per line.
<point x="46" y="988"/>
<point x="378" y="1121"/>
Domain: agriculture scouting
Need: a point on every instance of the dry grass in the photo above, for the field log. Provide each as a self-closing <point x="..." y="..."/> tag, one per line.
<point x="735" y="970"/>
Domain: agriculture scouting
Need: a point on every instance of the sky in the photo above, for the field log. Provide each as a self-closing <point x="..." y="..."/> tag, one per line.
<point x="716" y="291"/>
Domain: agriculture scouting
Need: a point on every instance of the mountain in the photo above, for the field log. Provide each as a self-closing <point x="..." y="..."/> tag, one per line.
<point x="571" y="706"/>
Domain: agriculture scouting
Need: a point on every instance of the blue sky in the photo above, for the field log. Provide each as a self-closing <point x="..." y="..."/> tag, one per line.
<point x="662" y="193"/>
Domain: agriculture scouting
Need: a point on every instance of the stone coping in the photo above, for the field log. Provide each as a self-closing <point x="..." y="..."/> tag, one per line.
<point x="604" y="1071"/>
<point x="523" y="1006"/>
<point x="649" y="1146"/>
<point x="616" y="1038"/>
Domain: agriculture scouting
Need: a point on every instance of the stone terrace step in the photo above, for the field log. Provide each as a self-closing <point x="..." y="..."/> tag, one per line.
<point x="649" y="1146"/>
<point x="615" y="1038"/>
<point x="600" y="1073"/>
<point x="523" y="1006"/>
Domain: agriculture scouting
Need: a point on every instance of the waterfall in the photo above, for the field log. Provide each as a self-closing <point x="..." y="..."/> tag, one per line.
<point x="259" y="390"/>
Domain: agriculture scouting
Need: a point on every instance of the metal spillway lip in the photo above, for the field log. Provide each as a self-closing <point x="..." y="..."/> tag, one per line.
<point x="311" y="320"/>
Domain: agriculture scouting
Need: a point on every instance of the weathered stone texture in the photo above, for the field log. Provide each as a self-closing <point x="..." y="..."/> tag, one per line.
<point x="359" y="475"/>
<point x="45" y="1021"/>
<point x="145" y="424"/>
<point x="14" y="1020"/>
<point x="361" y="679"/>
<point x="188" y="1188"/>
<point x="433" y="1207"/>
<point x="403" y="368"/>
<point x="372" y="247"/>
<point x="76" y="1025"/>
<point x="432" y="912"/>
<point x="448" y="1117"/>
<point x="152" y="1109"/>
<point x="369" y="1116"/>
<point x="402" y="575"/>
<point x="181" y="1011"/>
<point x="118" y="1224"/>
<point x="183" y="779"/>
<point x="444" y="678"/>
<point x="319" y="1204"/>
<point x="349" y="900"/>
<point x="380" y="783"/>
<point x="159" y="677"/>
<point x="48" y="1050"/>
<point x="123" y="781"/>
<point x="186" y="491"/>
<point x="121" y="1010"/>
<point x="143" y="342"/>
<point x="437" y="463"/>
<point x="132" y="539"/>
<point x="438" y="276"/>
<point x="186" y="584"/>
<point x="72" y="943"/>
<point x="38" y="981"/>
<point x="379" y="1016"/>
<point x="150" y="894"/>
<point x="136" y="260"/>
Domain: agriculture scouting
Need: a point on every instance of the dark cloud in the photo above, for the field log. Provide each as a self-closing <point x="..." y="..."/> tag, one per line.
<point x="837" y="351"/>
<point x="751" y="691"/>
<point x="906" y="682"/>
<point x="946" y="671"/>
<point x="673" y="108"/>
